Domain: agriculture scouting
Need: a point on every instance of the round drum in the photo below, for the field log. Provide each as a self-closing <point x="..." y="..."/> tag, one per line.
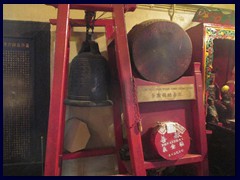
<point x="170" y="140"/>
<point x="160" y="50"/>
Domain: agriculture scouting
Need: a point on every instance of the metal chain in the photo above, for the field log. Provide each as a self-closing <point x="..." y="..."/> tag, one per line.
<point x="90" y="18"/>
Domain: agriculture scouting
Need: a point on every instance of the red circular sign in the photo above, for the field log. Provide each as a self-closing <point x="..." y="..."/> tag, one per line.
<point x="171" y="140"/>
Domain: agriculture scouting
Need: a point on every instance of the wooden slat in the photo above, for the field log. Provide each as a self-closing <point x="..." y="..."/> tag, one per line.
<point x="187" y="159"/>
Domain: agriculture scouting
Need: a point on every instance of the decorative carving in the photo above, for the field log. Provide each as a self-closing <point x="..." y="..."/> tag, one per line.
<point x="211" y="34"/>
<point x="206" y="15"/>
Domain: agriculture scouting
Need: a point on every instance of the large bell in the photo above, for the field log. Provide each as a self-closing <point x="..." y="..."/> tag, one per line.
<point x="88" y="78"/>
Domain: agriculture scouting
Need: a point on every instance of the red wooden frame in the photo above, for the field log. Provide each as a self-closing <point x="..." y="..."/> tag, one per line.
<point x="100" y="7"/>
<point x="123" y="90"/>
<point x="54" y="154"/>
<point x="58" y="94"/>
<point x="203" y="42"/>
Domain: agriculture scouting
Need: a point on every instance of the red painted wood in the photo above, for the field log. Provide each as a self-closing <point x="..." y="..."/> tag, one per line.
<point x="111" y="39"/>
<point x="218" y="25"/>
<point x="182" y="80"/>
<point x="199" y="126"/>
<point x="118" y="125"/>
<point x="155" y="164"/>
<point x="198" y="37"/>
<point x="189" y="113"/>
<point x="99" y="7"/>
<point x="109" y="31"/>
<point x="127" y="92"/>
<point x="89" y="153"/>
<point x="115" y="95"/>
<point x="82" y="22"/>
<point x="187" y="159"/>
<point x="224" y="60"/>
<point x="154" y="112"/>
<point x="208" y="132"/>
<point x="58" y="94"/>
<point x="108" y="24"/>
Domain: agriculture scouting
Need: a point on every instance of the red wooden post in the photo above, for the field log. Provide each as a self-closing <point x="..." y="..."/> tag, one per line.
<point x="128" y="93"/>
<point x="58" y="94"/>
<point x="116" y="98"/>
<point x="199" y="123"/>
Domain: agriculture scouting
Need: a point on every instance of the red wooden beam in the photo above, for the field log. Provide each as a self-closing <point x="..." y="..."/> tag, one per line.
<point x="58" y="94"/>
<point x="82" y="22"/>
<point x="187" y="159"/>
<point x="199" y="122"/>
<point x="89" y="153"/>
<point x="99" y="7"/>
<point x="107" y="23"/>
<point x="130" y="106"/>
<point x="115" y="95"/>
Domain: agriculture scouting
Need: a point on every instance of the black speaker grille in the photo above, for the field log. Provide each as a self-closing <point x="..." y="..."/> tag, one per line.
<point x="17" y="99"/>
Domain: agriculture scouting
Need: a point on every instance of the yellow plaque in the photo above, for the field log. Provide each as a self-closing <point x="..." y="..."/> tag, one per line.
<point x="165" y="92"/>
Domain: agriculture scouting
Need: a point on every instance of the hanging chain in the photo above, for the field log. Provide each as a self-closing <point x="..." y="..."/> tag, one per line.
<point x="171" y="12"/>
<point x="138" y="118"/>
<point x="90" y="18"/>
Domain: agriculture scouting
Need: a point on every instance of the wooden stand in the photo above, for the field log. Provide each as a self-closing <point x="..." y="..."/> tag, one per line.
<point x="124" y="96"/>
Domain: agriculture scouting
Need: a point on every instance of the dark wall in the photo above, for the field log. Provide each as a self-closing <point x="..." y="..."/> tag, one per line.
<point x="26" y="84"/>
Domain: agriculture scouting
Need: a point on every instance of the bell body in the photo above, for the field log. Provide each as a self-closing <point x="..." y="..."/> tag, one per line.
<point x="88" y="78"/>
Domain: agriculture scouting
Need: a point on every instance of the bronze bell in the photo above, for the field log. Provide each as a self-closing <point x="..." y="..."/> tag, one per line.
<point x="88" y="78"/>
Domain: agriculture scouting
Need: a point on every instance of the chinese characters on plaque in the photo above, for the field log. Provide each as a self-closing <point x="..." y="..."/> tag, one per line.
<point x="165" y="92"/>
